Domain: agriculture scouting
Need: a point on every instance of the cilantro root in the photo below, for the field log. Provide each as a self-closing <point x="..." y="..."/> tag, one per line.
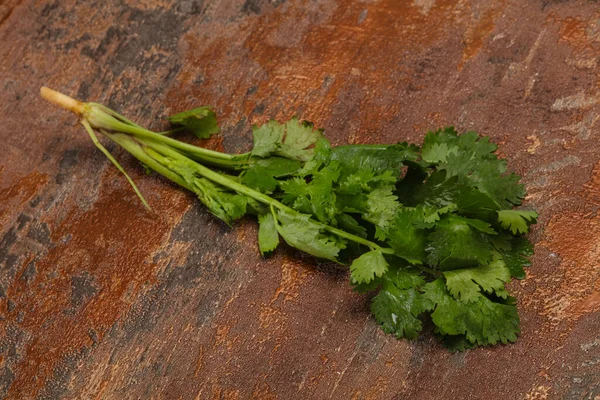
<point x="430" y="228"/>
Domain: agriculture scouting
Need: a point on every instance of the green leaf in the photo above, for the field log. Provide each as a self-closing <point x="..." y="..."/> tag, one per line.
<point x="515" y="252"/>
<point x="268" y="138"/>
<point x="302" y="233"/>
<point x="365" y="287"/>
<point x="382" y="206"/>
<point x="321" y="195"/>
<point x="201" y="121"/>
<point x="290" y="140"/>
<point x="472" y="160"/>
<point x="437" y="145"/>
<point x="517" y="221"/>
<point x="358" y="182"/>
<point x="377" y="158"/>
<point x="437" y="152"/>
<point x="427" y="216"/>
<point x="368" y="266"/>
<point x="480" y="225"/>
<point x="404" y="277"/>
<point x="225" y="205"/>
<point x="466" y="284"/>
<point x="405" y="238"/>
<point x="457" y="242"/>
<point x="261" y="173"/>
<point x="399" y="303"/>
<point x="316" y="197"/>
<point x="349" y="224"/>
<point x="293" y="189"/>
<point x="440" y="191"/>
<point x="321" y="156"/>
<point x="482" y="321"/>
<point x="457" y="343"/>
<point x="268" y="238"/>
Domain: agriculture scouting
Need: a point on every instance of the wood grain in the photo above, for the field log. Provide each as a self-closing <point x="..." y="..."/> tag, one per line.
<point x="101" y="299"/>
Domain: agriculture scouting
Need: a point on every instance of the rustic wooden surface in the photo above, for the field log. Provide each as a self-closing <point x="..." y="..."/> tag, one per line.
<point x="100" y="299"/>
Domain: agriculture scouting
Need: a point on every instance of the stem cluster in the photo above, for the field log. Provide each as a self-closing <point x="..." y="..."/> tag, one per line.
<point x="160" y="153"/>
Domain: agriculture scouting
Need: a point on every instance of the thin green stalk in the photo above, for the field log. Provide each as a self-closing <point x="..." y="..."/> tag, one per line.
<point x="101" y="119"/>
<point x="214" y="176"/>
<point x="115" y="127"/>
<point x="103" y="149"/>
<point x="142" y="154"/>
<point x="115" y="114"/>
<point x="256" y="195"/>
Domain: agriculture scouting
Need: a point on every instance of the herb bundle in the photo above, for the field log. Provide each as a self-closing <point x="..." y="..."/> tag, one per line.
<point x="431" y="229"/>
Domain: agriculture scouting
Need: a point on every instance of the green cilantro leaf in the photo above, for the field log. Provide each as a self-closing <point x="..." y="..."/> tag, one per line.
<point x="315" y="197"/>
<point x="382" y="206"/>
<point x="466" y="284"/>
<point x="482" y="321"/>
<point x="399" y="303"/>
<point x="517" y="221"/>
<point x="377" y="158"/>
<point x="293" y="189"/>
<point x="365" y="287"/>
<point x="457" y="342"/>
<point x="349" y="224"/>
<point x="458" y="242"/>
<point x="426" y="216"/>
<point x="437" y="145"/>
<point x="368" y="266"/>
<point x="225" y="205"/>
<point x="472" y="160"/>
<point x="262" y="172"/>
<point x="201" y="121"/>
<point x="515" y="252"/>
<point x="321" y="156"/>
<point x="268" y="238"/>
<point x="440" y="191"/>
<point x="405" y="238"/>
<point x="302" y="233"/>
<point x="290" y="140"/>
<point x="321" y="195"/>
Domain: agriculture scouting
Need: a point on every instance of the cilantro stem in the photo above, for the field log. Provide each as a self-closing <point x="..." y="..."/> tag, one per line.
<point x="102" y="117"/>
<point x="256" y="195"/>
<point x="123" y="131"/>
<point x="103" y="149"/>
<point x="137" y="150"/>
<point x="430" y="271"/>
<point x="99" y="118"/>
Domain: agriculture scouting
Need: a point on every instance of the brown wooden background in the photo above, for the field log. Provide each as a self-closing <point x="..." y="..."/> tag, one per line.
<point x="100" y="299"/>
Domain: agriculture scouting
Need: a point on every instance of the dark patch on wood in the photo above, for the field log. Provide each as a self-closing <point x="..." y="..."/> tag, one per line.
<point x="259" y="109"/>
<point x="6" y="378"/>
<point x="251" y="6"/>
<point x="40" y="232"/>
<point x="68" y="160"/>
<point x="59" y="385"/>
<point x="191" y="7"/>
<point x="7" y="241"/>
<point x="83" y="288"/>
<point x="28" y="272"/>
<point x="10" y="306"/>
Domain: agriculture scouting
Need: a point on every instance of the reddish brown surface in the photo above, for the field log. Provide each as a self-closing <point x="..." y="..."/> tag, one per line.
<point x="102" y="299"/>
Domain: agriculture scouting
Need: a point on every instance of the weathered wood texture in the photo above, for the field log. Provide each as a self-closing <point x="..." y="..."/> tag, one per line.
<point x="102" y="299"/>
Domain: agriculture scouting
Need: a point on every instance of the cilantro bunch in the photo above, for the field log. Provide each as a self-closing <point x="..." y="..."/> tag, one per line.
<point x="431" y="230"/>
